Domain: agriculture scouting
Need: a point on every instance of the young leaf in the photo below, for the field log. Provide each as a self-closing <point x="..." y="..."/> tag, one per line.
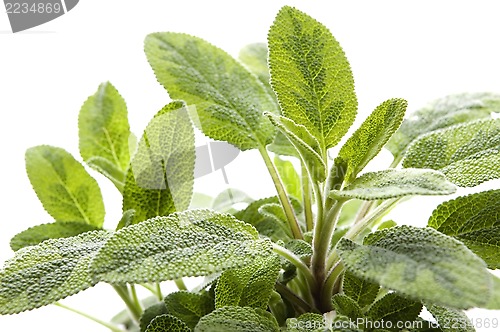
<point x="394" y="308"/>
<point x="66" y="190"/>
<point x="254" y="57"/>
<point x="282" y="146"/>
<point x="150" y="314"/>
<point x="371" y="137"/>
<point x="311" y="76"/>
<point x="229" y="99"/>
<point x="104" y="132"/>
<point x="289" y="176"/>
<point x="346" y="306"/>
<point x="474" y="220"/>
<point x="237" y="319"/>
<point x="37" y="234"/>
<point x="45" y="273"/>
<point x="169" y="323"/>
<point x="451" y="320"/>
<point x="225" y="200"/>
<point x="361" y="291"/>
<point x="190" y="243"/>
<point x="467" y="154"/>
<point x="161" y="175"/>
<point x="189" y="307"/>
<point x="421" y="264"/>
<point x="394" y="183"/>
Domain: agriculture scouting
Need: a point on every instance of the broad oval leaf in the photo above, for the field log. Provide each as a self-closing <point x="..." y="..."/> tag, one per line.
<point x="43" y="274"/>
<point x="229" y="100"/>
<point x="468" y="154"/>
<point x="161" y="175"/>
<point x="474" y="220"/>
<point x="149" y="314"/>
<point x="169" y="323"/>
<point x="189" y="307"/>
<point x="104" y="133"/>
<point x="394" y="183"/>
<point x="66" y="190"/>
<point x="311" y="76"/>
<point x="237" y="319"/>
<point x="394" y="308"/>
<point x="451" y="320"/>
<point x="190" y="243"/>
<point x="421" y="264"/>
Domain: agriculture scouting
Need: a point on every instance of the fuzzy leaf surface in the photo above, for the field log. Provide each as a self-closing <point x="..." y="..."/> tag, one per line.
<point x="169" y="323"/>
<point x="346" y="306"/>
<point x="311" y="76"/>
<point x="229" y="99"/>
<point x="161" y="175"/>
<point x="237" y="319"/>
<point x="421" y="264"/>
<point x="451" y="320"/>
<point x="361" y="291"/>
<point x="468" y="154"/>
<point x="394" y="308"/>
<point x="66" y="190"/>
<point x="184" y="244"/>
<point x="392" y="183"/>
<point x="189" y="307"/>
<point x="43" y="274"/>
<point x="150" y="314"/>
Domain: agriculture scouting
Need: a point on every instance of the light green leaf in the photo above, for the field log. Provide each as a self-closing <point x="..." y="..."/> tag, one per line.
<point x="442" y="113"/>
<point x="289" y="176"/>
<point x="451" y="320"/>
<point x="167" y="323"/>
<point x="305" y="323"/>
<point x="306" y="145"/>
<point x="349" y="212"/>
<point x="189" y="307"/>
<point x="104" y="132"/>
<point x="282" y="146"/>
<point x="66" y="190"/>
<point x="361" y="291"/>
<point x="237" y="319"/>
<point x="229" y="99"/>
<point x="421" y="264"/>
<point x="225" y="201"/>
<point x="37" y="234"/>
<point x="150" y="314"/>
<point x="254" y="57"/>
<point x="161" y="175"/>
<point x="311" y="76"/>
<point x="468" y="154"/>
<point x="43" y="274"/>
<point x="394" y="308"/>
<point x="127" y="219"/>
<point x="474" y="220"/>
<point x="394" y="183"/>
<point x="346" y="306"/>
<point x="200" y="201"/>
<point x="494" y="302"/>
<point x="190" y="243"/>
<point x="371" y="137"/>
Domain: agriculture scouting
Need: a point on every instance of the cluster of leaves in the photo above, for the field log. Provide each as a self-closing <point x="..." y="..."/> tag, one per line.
<point x="276" y="264"/>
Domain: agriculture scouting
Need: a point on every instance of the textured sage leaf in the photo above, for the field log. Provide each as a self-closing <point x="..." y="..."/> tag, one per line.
<point x="229" y="99"/>
<point x="249" y="286"/>
<point x="311" y="76"/>
<point x="37" y="234"/>
<point x="442" y="113"/>
<point x="361" y="291"/>
<point x="494" y="301"/>
<point x="189" y="307"/>
<point x="45" y="273"/>
<point x="254" y="57"/>
<point x="289" y="177"/>
<point x="169" y="323"/>
<point x="421" y="264"/>
<point x="151" y="313"/>
<point x="190" y="243"/>
<point x="225" y="201"/>
<point x="346" y="306"/>
<point x="66" y="190"/>
<point x="237" y="319"/>
<point x="394" y="183"/>
<point x="104" y="133"/>
<point x="451" y="320"/>
<point x="468" y="154"/>
<point x="394" y="308"/>
<point x="306" y="145"/>
<point x="474" y="220"/>
<point x="161" y="175"/>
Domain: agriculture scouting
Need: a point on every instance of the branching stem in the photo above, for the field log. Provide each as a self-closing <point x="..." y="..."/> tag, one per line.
<point x="123" y="292"/>
<point x="110" y="326"/>
<point x="295" y="260"/>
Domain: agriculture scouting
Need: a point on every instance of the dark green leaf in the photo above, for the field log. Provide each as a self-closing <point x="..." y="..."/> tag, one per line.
<point x="168" y="323"/>
<point x="238" y="319"/>
<point x="451" y="320"/>
<point x="394" y="308"/>
<point x="361" y="291"/>
<point x="346" y="306"/>
<point x="151" y="313"/>
<point x="189" y="307"/>
<point x="305" y="323"/>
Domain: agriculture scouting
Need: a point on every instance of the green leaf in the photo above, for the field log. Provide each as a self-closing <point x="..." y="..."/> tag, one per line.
<point x="346" y="306"/>
<point x="254" y="57"/>
<point x="289" y="176"/>
<point x="421" y="264"/>
<point x="104" y="132"/>
<point x="127" y="219"/>
<point x="237" y="319"/>
<point x="37" y="234"/>
<point x="167" y="323"/>
<point x="189" y="307"/>
<point x="250" y="286"/>
<point x="451" y="320"/>
<point x="394" y="183"/>
<point x="161" y="175"/>
<point x="305" y="323"/>
<point x="467" y="154"/>
<point x="394" y="308"/>
<point x="190" y="243"/>
<point x="47" y="272"/>
<point x="442" y="113"/>
<point x="371" y="137"/>
<point x="200" y="201"/>
<point x="360" y="290"/>
<point x="150" y="314"/>
<point x="282" y="146"/>
<point x="306" y="145"/>
<point x="474" y="220"/>
<point x="311" y="76"/>
<point x="229" y="99"/>
<point x="66" y="190"/>
<point x="225" y="201"/>
<point x="494" y="302"/>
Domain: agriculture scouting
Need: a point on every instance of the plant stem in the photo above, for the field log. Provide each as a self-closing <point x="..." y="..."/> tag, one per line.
<point x="330" y="282"/>
<point x="180" y="284"/>
<point x="158" y="292"/>
<point x="295" y="260"/>
<point x="154" y="289"/>
<point x="132" y="307"/>
<point x="135" y="298"/>
<point x="306" y="198"/>
<point x="285" y="202"/>
<point x="110" y="326"/>
<point x="293" y="298"/>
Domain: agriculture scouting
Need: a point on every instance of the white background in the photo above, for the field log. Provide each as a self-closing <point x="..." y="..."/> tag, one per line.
<point x="417" y="50"/>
